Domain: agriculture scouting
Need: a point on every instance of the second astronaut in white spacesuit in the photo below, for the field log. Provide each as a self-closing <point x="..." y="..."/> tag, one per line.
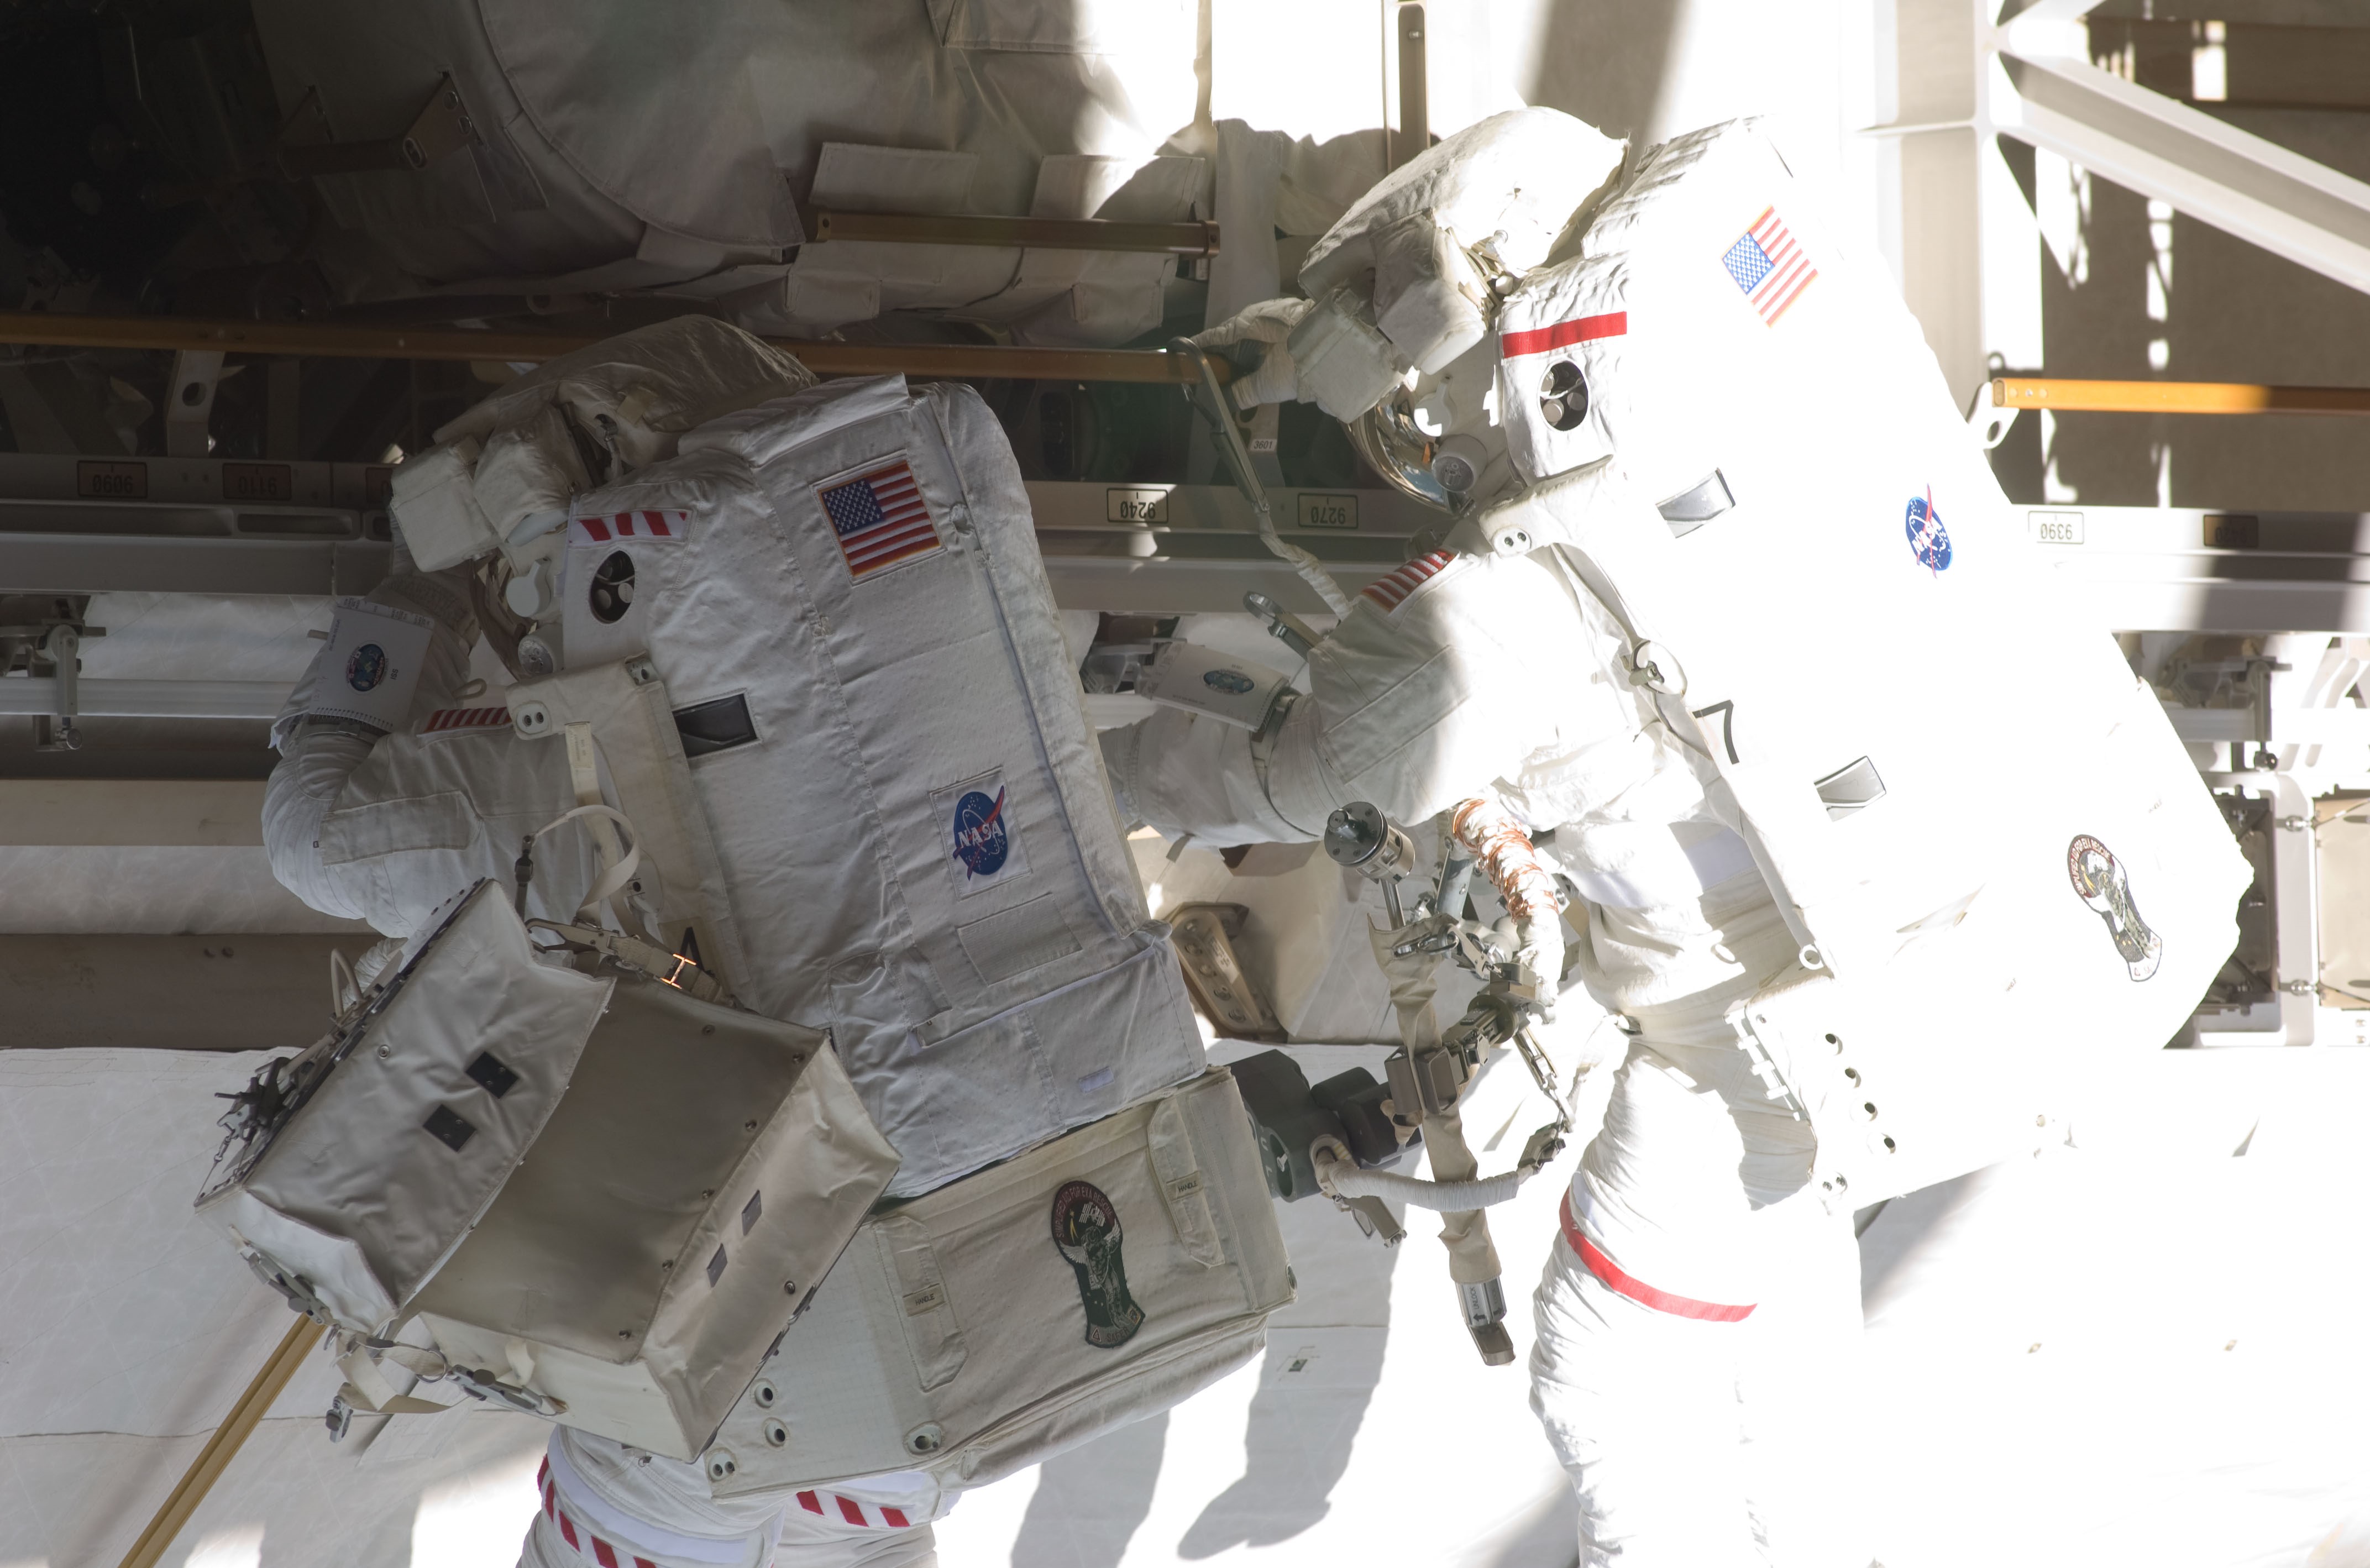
<point x="1693" y="1257"/>
<point x="1700" y="634"/>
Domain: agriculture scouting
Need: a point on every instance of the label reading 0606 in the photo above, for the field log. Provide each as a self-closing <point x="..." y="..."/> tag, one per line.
<point x="112" y="481"/>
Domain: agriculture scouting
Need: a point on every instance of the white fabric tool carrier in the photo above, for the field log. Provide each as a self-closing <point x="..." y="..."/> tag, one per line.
<point x="841" y="594"/>
<point x="1097" y="1279"/>
<point x="1999" y="860"/>
<point x="604" y="1198"/>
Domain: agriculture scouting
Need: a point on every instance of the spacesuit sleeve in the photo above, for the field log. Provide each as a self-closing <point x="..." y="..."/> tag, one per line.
<point x="317" y="758"/>
<point x="1444" y="677"/>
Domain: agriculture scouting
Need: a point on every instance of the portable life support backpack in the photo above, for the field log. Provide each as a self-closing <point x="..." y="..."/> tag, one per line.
<point x="2001" y="865"/>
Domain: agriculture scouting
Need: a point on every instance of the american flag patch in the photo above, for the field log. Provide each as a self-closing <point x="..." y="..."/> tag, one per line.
<point x="881" y="519"/>
<point x="465" y="720"/>
<point x="1770" y="265"/>
<point x="665" y="527"/>
<point x="1387" y="593"/>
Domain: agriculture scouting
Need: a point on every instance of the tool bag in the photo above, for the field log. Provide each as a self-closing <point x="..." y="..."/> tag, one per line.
<point x="1094" y="1280"/>
<point x="603" y="1197"/>
<point x="1999" y="859"/>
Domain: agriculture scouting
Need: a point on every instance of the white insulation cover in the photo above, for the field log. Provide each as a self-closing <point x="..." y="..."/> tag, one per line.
<point x="1093" y="1281"/>
<point x="354" y="1192"/>
<point x="1847" y="643"/>
<point x="918" y="846"/>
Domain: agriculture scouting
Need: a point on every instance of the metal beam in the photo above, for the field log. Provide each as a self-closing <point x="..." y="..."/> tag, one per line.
<point x="238" y="992"/>
<point x="327" y="339"/>
<point x="1196" y="238"/>
<point x="2175" y="397"/>
<point x="135" y="813"/>
<point x="35" y="697"/>
<point x="224" y="1445"/>
<point x="2144" y="142"/>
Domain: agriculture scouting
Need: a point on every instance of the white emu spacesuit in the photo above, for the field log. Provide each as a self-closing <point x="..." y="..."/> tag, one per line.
<point x="1726" y="624"/>
<point x="865" y="796"/>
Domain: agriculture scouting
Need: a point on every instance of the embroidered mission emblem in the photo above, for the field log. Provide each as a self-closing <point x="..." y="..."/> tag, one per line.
<point x="1087" y="1229"/>
<point x="366" y="666"/>
<point x="2102" y="883"/>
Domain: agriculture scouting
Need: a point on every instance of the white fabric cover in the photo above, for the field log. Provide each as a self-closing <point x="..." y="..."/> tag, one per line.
<point x="955" y="1334"/>
<point x="353" y="1163"/>
<point x="627" y="149"/>
<point x="620" y="1209"/>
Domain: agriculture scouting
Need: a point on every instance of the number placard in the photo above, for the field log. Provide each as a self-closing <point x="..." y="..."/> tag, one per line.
<point x="257" y="482"/>
<point x="112" y="481"/>
<point x="1144" y="504"/>
<point x="1328" y="511"/>
<point x="2054" y="527"/>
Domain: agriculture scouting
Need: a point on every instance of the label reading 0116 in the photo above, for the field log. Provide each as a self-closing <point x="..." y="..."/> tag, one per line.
<point x="1328" y="511"/>
<point x="257" y="482"/>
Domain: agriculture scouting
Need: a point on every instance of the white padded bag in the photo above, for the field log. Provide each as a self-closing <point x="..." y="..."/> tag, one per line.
<point x="1097" y="1279"/>
<point x="1976" y="819"/>
<point x="604" y="1198"/>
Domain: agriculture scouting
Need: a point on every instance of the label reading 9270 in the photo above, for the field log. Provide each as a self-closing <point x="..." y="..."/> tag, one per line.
<point x="1328" y="511"/>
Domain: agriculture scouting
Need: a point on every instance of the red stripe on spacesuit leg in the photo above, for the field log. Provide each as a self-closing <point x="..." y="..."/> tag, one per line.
<point x="896" y="1518"/>
<point x="604" y="1553"/>
<point x="810" y="1502"/>
<point x="1637" y="1290"/>
<point x="852" y="1511"/>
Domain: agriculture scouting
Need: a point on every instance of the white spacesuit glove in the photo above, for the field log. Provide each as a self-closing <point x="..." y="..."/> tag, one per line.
<point x="1410" y="274"/>
<point x="579" y="421"/>
<point x="1253" y="341"/>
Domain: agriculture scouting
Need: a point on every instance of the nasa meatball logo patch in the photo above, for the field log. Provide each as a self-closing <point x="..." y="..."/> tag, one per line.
<point x="982" y="844"/>
<point x="2100" y="882"/>
<point x="1087" y="1231"/>
<point x="366" y="666"/>
<point x="1928" y="540"/>
<point x="980" y="840"/>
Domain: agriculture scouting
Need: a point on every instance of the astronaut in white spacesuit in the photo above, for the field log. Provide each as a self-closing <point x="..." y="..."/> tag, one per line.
<point x="886" y="817"/>
<point x="1605" y="365"/>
